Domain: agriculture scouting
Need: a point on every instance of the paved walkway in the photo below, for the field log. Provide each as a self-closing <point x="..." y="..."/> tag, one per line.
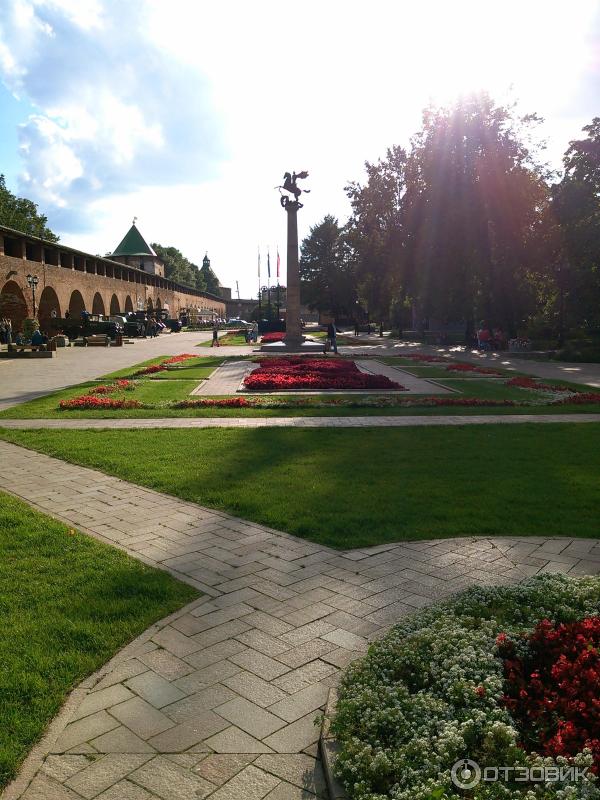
<point x="219" y="700"/>
<point x="23" y="379"/>
<point x="383" y="421"/>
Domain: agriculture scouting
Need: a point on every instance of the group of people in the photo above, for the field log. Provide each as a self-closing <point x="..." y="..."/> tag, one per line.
<point x="491" y="339"/>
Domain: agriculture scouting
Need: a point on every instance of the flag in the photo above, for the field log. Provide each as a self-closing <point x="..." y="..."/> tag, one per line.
<point x="259" y="262"/>
<point x="278" y="262"/>
<point x="268" y="264"/>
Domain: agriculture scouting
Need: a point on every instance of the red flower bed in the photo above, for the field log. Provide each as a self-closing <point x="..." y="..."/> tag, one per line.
<point x="553" y="687"/>
<point x="226" y="402"/>
<point x="529" y="383"/>
<point x="177" y="359"/>
<point x="276" y="336"/>
<point x="153" y="368"/>
<point x="425" y="358"/>
<point x="580" y="399"/>
<point x="289" y="374"/>
<point x="457" y="401"/>
<point x="112" y="387"/>
<point x="92" y="402"/>
<point x="471" y="368"/>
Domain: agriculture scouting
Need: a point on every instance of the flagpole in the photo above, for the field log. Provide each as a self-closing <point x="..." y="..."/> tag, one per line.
<point x="278" y="303"/>
<point x="259" y="303"/>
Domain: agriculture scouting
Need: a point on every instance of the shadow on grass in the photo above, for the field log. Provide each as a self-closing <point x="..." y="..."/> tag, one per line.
<point x="350" y="488"/>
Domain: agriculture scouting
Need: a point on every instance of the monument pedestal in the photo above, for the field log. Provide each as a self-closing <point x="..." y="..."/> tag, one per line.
<point x="289" y="346"/>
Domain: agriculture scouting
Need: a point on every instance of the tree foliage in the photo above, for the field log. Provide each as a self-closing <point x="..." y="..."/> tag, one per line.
<point x="22" y="214"/>
<point x="576" y="207"/>
<point x="326" y="270"/>
<point x="180" y="269"/>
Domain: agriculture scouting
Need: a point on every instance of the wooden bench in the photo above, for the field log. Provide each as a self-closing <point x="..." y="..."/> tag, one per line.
<point x="22" y="348"/>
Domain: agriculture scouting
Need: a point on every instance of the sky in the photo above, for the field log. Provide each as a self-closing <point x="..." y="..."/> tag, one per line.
<point x="186" y="113"/>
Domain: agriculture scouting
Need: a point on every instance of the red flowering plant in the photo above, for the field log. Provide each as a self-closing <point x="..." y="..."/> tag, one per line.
<point x="552" y="687"/>
<point x="580" y="398"/>
<point x="226" y="402"/>
<point x="94" y="402"/>
<point x="109" y="388"/>
<point x="472" y="368"/>
<point x="166" y="364"/>
<point x="289" y="374"/>
<point x="275" y="336"/>
<point x="524" y="382"/>
<point x="423" y="357"/>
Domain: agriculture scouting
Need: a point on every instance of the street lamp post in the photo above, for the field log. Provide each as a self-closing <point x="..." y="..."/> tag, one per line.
<point x="32" y="282"/>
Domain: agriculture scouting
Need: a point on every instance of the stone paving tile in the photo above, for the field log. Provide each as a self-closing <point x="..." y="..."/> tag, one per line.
<point x="295" y="737"/>
<point x="300" y="770"/>
<point x="155" y="689"/>
<point x="255" y="689"/>
<point x="234" y="740"/>
<point x="249" y="784"/>
<point x="250" y="718"/>
<point x="171" y="782"/>
<point x="141" y="717"/>
<point x="221" y="700"/>
<point x="105" y="772"/>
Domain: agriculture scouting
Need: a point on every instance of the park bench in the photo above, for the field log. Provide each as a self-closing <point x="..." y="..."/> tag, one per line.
<point x="98" y="340"/>
<point x="22" y="348"/>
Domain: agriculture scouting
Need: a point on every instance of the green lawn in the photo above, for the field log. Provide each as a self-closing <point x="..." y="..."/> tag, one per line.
<point x="230" y="339"/>
<point x="350" y="488"/>
<point x="68" y="604"/>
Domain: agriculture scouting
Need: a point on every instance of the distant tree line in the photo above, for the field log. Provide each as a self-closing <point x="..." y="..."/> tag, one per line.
<point x="467" y="223"/>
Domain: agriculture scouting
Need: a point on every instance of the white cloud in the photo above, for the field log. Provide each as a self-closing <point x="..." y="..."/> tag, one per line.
<point x="112" y="112"/>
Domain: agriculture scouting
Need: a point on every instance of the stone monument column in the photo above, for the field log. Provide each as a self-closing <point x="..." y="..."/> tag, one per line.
<point x="293" y="330"/>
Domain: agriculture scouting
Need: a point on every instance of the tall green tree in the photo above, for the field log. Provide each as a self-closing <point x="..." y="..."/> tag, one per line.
<point x="475" y="190"/>
<point x="327" y="281"/>
<point x="576" y="207"/>
<point x="376" y="235"/>
<point x="22" y="214"/>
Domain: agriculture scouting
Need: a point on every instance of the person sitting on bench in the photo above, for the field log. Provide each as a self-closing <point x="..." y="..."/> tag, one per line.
<point x="37" y="340"/>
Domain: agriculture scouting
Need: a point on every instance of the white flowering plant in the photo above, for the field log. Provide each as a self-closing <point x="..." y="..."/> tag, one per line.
<point x="429" y="694"/>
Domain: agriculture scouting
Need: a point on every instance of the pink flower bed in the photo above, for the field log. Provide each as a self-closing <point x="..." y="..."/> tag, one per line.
<point x="289" y="374"/>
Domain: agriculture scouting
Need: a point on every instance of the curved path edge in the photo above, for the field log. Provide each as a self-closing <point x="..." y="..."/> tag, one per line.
<point x="219" y="700"/>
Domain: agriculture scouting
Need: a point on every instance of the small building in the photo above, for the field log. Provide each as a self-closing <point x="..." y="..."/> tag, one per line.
<point x="135" y="251"/>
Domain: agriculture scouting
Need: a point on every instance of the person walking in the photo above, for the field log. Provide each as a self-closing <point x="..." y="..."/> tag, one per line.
<point x="215" y="337"/>
<point x="332" y="336"/>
